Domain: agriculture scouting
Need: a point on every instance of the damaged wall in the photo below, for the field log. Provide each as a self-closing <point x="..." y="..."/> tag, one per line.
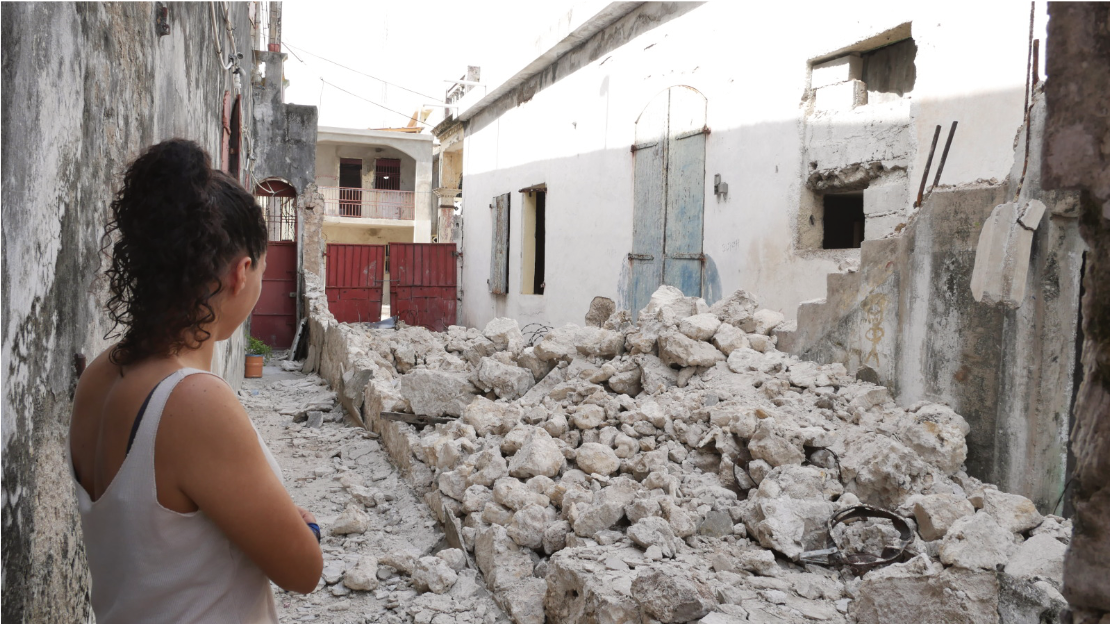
<point x="1077" y="156"/>
<point x="86" y="87"/>
<point x="909" y="316"/>
<point x="570" y="126"/>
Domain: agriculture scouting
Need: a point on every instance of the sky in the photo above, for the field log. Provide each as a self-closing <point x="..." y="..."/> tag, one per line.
<point x="397" y="46"/>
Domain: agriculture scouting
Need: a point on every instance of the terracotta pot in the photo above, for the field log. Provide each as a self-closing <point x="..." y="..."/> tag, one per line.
<point x="254" y="366"/>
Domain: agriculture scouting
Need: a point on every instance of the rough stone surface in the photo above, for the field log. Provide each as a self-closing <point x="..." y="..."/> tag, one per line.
<point x="433" y="574"/>
<point x="936" y="513"/>
<point x="1041" y="556"/>
<point x="1012" y="511"/>
<point x="597" y="458"/>
<point x="670" y="596"/>
<point x="977" y="542"/>
<point x="363" y="576"/>
<point x="435" y="393"/>
<point x="912" y="592"/>
<point x="538" y="456"/>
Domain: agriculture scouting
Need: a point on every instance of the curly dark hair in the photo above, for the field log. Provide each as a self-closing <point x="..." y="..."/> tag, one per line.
<point x="176" y="224"/>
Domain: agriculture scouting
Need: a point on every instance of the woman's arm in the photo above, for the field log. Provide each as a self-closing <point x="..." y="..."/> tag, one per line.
<point x="213" y="457"/>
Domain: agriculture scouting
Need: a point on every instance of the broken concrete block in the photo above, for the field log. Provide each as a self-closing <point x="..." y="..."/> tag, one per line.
<point x="787" y="525"/>
<point x="1040" y="556"/>
<point x="762" y="322"/>
<point x="432" y="574"/>
<point x="1002" y="256"/>
<point x="878" y="469"/>
<point x="677" y="349"/>
<point x="499" y="558"/>
<point x="936" y="513"/>
<point x="538" y="456"/>
<point x="579" y="589"/>
<point x="656" y="377"/>
<point x="938" y="435"/>
<point x="435" y="393"/>
<point x="601" y="308"/>
<point x="515" y="495"/>
<point x="1012" y="511"/>
<point x="916" y="591"/>
<point x="729" y="338"/>
<point x="736" y="308"/>
<point x="505" y="334"/>
<point x="669" y="305"/>
<point x="363" y="576"/>
<point x="528" y="525"/>
<point x="352" y="520"/>
<point x="699" y="326"/>
<point x="654" y="531"/>
<point x="509" y="381"/>
<point x="977" y="542"/>
<point x="597" y="458"/>
<point x="671" y="595"/>
<point x="524" y="601"/>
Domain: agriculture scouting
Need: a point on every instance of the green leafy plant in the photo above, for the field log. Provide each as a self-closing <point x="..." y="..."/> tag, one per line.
<point x="257" y="347"/>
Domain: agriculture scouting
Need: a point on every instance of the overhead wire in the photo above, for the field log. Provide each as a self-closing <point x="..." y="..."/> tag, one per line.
<point x="405" y="115"/>
<point x="304" y="51"/>
<point x="332" y="84"/>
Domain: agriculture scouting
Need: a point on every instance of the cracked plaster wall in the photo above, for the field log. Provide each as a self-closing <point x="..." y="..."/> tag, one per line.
<point x="86" y="87"/>
<point x="571" y="125"/>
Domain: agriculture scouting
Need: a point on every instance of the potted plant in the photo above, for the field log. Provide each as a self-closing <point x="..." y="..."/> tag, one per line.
<point x="257" y="353"/>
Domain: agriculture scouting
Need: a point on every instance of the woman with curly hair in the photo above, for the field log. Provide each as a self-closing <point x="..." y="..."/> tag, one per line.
<point x="183" y="509"/>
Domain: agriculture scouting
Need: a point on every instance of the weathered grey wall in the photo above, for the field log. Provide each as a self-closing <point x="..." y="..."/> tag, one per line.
<point x="1077" y="156"/>
<point x="284" y="134"/>
<point x="85" y="88"/>
<point x="909" y="315"/>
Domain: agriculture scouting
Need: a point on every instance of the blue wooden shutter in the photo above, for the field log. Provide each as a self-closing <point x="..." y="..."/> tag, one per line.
<point x="649" y="203"/>
<point x="683" y="262"/>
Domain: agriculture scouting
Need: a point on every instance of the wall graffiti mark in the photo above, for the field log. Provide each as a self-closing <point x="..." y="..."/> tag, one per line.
<point x="874" y="310"/>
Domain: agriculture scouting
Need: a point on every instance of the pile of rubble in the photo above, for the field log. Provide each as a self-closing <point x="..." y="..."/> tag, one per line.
<point x="682" y="469"/>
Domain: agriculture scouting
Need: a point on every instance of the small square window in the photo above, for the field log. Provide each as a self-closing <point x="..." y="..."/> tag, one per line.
<point x="843" y="221"/>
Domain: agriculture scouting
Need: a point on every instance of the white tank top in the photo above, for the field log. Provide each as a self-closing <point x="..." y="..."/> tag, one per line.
<point x="151" y="564"/>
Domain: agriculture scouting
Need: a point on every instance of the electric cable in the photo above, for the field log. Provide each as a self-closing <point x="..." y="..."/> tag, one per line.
<point x="405" y="115"/>
<point x="304" y="51"/>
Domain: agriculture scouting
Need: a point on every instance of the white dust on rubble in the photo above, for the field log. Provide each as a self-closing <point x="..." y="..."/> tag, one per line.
<point x="677" y="469"/>
<point x="384" y="557"/>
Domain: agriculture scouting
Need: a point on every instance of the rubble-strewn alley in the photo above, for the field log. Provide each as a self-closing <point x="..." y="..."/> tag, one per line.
<point x="682" y="469"/>
<point x="381" y="545"/>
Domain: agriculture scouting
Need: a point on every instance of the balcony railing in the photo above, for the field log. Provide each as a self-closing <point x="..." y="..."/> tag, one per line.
<point x="368" y="203"/>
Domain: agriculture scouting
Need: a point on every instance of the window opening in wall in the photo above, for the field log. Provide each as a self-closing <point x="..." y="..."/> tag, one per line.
<point x="278" y="202"/>
<point x="235" y="142"/>
<point x="350" y="187"/>
<point x="890" y="69"/>
<point x="843" y="220"/>
<point x="534" y="241"/>
<point x="387" y="174"/>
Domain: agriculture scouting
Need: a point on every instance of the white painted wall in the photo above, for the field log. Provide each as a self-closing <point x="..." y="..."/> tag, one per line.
<point x="574" y="135"/>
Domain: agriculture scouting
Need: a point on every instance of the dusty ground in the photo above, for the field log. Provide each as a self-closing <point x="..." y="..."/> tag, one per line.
<point x="313" y="461"/>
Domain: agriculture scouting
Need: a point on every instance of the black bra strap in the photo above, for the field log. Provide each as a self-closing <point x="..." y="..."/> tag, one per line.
<point x="139" y="417"/>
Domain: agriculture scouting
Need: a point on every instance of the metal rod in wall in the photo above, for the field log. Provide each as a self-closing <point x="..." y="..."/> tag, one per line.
<point x="944" y="154"/>
<point x="928" y="165"/>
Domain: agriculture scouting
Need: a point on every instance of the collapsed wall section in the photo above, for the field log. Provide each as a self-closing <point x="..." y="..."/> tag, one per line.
<point x="683" y="468"/>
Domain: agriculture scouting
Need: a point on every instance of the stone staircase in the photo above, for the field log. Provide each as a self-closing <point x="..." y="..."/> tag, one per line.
<point x="844" y="293"/>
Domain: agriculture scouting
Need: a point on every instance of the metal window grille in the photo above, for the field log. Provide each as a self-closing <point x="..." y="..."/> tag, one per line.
<point x="279" y="206"/>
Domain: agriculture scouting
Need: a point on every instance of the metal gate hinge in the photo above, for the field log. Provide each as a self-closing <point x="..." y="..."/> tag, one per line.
<point x="636" y="256"/>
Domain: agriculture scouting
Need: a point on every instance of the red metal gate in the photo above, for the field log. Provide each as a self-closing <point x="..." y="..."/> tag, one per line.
<point x="354" y="282"/>
<point x="422" y="284"/>
<point x="275" y="314"/>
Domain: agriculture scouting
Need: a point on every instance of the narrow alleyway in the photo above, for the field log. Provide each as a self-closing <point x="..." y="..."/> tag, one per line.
<point x="375" y="527"/>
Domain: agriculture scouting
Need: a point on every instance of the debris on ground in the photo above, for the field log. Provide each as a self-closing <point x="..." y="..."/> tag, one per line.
<point x="681" y="469"/>
<point x="376" y="528"/>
